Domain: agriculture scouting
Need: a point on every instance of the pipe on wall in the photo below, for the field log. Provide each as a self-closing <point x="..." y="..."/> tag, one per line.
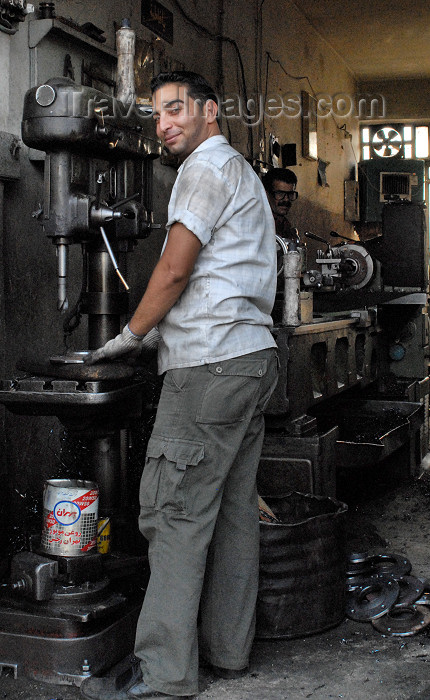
<point x="219" y="50"/>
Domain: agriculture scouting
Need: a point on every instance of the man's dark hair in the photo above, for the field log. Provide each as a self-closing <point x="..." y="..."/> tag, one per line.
<point x="282" y="174"/>
<point x="198" y="87"/>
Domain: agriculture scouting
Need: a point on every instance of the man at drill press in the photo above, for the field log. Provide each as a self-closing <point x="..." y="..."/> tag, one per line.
<point x="208" y="305"/>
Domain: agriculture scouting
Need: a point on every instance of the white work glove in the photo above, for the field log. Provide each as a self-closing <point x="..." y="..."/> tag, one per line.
<point x="125" y="345"/>
<point x="151" y="340"/>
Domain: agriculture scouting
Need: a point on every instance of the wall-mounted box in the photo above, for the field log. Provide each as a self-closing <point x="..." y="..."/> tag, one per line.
<point x="385" y="180"/>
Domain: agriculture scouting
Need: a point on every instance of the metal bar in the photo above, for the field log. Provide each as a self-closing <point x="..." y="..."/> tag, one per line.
<point x="112" y="257"/>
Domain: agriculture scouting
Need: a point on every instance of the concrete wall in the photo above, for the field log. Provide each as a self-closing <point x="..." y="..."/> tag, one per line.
<point x="27" y="258"/>
<point x="302" y="53"/>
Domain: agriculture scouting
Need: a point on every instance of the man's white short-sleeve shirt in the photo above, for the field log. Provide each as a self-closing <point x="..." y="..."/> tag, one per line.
<point x="225" y="309"/>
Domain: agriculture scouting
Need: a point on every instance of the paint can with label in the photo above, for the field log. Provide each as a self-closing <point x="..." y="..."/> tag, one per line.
<point x="70" y="512"/>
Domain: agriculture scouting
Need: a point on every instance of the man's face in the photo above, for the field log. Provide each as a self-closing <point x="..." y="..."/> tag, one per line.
<point x="279" y="201"/>
<point x="182" y="124"/>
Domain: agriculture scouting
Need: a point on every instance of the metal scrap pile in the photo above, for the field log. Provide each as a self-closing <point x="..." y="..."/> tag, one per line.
<point x="381" y="590"/>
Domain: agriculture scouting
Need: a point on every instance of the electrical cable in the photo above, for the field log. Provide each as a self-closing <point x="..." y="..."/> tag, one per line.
<point x="302" y="77"/>
<point x="293" y="77"/>
<point x="6" y="27"/>
<point x="112" y="257"/>
<point x="269" y="58"/>
<point x="258" y="73"/>
<point x="305" y="77"/>
<point x="220" y="37"/>
<point x="265" y="97"/>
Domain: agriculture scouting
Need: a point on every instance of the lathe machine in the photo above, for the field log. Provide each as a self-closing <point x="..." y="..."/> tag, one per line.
<point x="353" y="336"/>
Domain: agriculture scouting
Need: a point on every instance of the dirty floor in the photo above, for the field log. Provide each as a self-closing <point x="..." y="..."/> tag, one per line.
<point x="352" y="661"/>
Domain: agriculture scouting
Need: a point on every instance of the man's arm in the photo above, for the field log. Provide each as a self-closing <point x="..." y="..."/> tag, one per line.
<point x="168" y="280"/>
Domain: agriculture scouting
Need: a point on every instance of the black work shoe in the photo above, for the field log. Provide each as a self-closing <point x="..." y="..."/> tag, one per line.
<point x="102" y="689"/>
<point x="141" y="690"/>
<point x="229" y="673"/>
<point x="112" y="687"/>
<point x="124" y="687"/>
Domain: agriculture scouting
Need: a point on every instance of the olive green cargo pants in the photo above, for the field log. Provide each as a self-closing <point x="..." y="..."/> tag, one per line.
<point x="199" y="513"/>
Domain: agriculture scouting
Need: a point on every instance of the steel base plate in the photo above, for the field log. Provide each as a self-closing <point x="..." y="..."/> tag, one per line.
<point x="372" y="600"/>
<point x="68" y="659"/>
<point x="403" y="621"/>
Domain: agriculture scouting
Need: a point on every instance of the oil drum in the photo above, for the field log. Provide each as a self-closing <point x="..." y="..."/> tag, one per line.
<point x="302" y="566"/>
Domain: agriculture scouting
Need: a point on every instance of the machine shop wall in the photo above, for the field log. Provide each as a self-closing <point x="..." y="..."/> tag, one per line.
<point x="304" y="61"/>
<point x="28" y="316"/>
<point x="404" y="99"/>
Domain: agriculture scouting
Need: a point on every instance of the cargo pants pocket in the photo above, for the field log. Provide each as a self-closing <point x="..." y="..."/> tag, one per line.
<point x="167" y="473"/>
<point x="233" y="391"/>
